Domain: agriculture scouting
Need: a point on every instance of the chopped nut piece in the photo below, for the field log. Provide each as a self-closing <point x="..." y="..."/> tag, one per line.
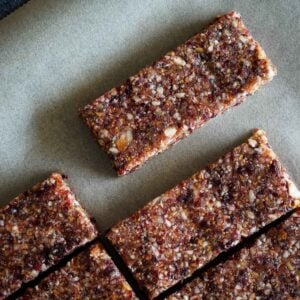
<point x="235" y="23"/>
<point x="179" y="61"/>
<point x="243" y="39"/>
<point x="293" y="191"/>
<point x="203" y="216"/>
<point x="199" y="50"/>
<point x="156" y="103"/>
<point x="252" y="143"/>
<point x="36" y="235"/>
<point x="89" y="275"/>
<point x="113" y="150"/>
<point x="124" y="140"/>
<point x="202" y="78"/>
<point x="210" y="48"/>
<point x="177" y="116"/>
<point x="251" y="196"/>
<point x="261" y="54"/>
<point x="250" y="214"/>
<point x="170" y="132"/>
<point x="180" y="95"/>
<point x="129" y="116"/>
<point x="160" y="90"/>
<point x="265" y="269"/>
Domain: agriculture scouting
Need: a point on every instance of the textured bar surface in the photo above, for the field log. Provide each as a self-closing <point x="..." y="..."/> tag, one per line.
<point x="89" y="275"/>
<point x="164" y="102"/>
<point x="37" y="229"/>
<point x="267" y="270"/>
<point x="210" y="212"/>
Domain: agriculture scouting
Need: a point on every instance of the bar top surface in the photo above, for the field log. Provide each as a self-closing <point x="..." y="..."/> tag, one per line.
<point x="164" y="102"/>
<point x="191" y="224"/>
<point x="37" y="229"/>
<point x="269" y="269"/>
<point x="89" y="275"/>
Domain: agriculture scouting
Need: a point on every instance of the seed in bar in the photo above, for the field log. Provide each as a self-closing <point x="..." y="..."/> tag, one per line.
<point x="37" y="229"/>
<point x="188" y="226"/>
<point x="89" y="275"/>
<point x="164" y="102"/>
<point x="267" y="270"/>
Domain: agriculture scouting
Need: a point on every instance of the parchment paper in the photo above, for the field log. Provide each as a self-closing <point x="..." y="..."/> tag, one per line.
<point x="56" y="56"/>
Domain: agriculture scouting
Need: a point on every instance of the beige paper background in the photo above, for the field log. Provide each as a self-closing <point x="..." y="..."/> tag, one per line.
<point x="56" y="56"/>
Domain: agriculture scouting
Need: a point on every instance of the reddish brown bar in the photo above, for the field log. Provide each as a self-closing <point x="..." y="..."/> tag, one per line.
<point x="37" y="229"/>
<point x="267" y="270"/>
<point x="89" y="275"/>
<point x="164" y="102"/>
<point x="188" y="226"/>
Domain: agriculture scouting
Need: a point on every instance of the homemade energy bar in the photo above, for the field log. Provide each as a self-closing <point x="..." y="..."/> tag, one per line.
<point x="89" y="275"/>
<point x="164" y="102"/>
<point x="267" y="270"/>
<point x="188" y="226"/>
<point x="37" y="229"/>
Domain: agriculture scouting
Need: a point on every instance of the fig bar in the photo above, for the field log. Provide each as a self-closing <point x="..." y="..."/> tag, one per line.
<point x="191" y="224"/>
<point x="37" y="229"/>
<point x="163" y="103"/>
<point x="267" y="270"/>
<point x="89" y="275"/>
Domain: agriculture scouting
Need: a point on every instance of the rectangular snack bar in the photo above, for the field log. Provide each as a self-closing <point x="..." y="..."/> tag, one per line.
<point x="164" y="102"/>
<point x="267" y="270"/>
<point x="89" y="275"/>
<point x="37" y="229"/>
<point x="210" y="212"/>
